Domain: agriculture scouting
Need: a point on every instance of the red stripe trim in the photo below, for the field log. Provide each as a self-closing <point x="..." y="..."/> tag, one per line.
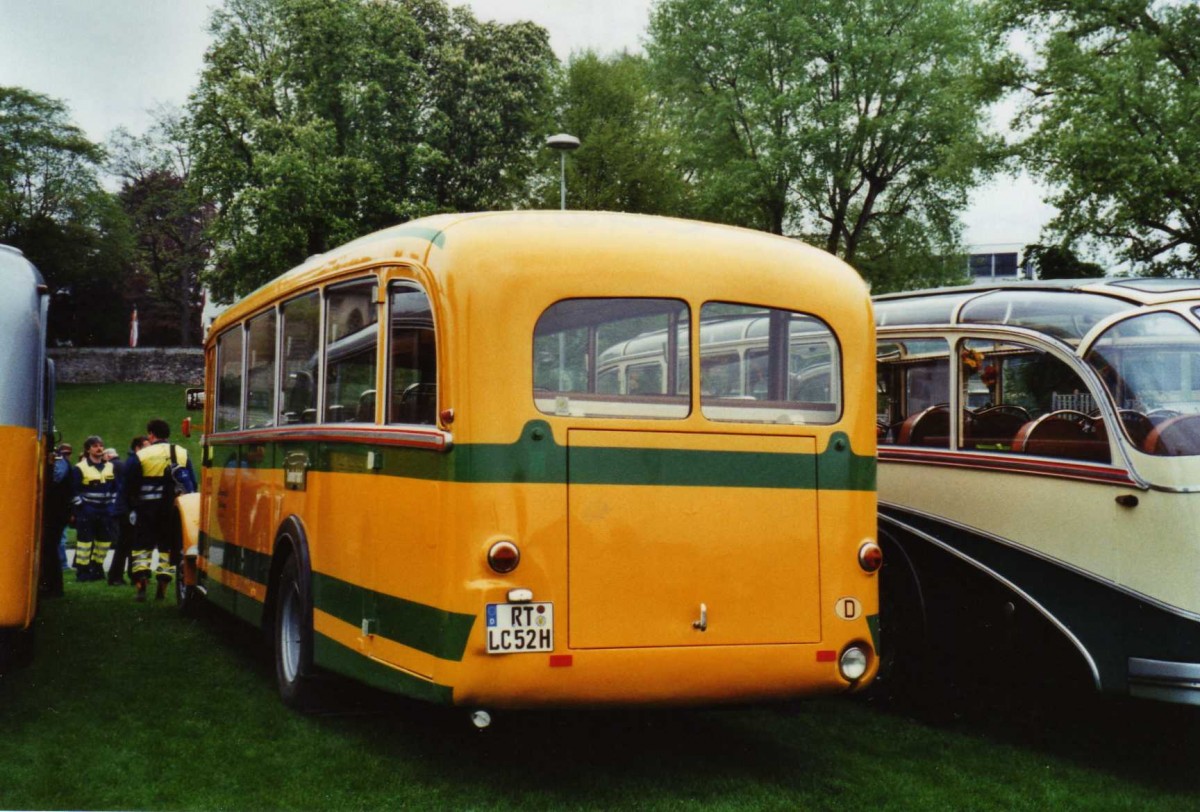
<point x="1011" y="465"/>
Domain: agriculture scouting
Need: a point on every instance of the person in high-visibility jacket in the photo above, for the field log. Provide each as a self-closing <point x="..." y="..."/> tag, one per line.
<point x="94" y="489"/>
<point x="153" y="478"/>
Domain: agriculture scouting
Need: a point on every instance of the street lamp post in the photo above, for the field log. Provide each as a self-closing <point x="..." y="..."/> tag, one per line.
<point x="563" y="143"/>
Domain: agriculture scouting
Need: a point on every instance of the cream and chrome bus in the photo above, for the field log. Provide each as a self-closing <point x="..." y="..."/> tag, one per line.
<point x="1039" y="480"/>
<point x="418" y="473"/>
<point x="24" y="419"/>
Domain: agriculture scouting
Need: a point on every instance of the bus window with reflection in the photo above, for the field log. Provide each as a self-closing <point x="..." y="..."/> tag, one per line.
<point x="301" y="373"/>
<point x="351" y="339"/>
<point x="613" y="358"/>
<point x="761" y="365"/>
<point x="228" y="415"/>
<point x="413" y="357"/>
<point x="260" y="371"/>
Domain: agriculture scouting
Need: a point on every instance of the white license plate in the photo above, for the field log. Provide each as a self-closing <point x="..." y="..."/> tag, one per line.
<point x="520" y="628"/>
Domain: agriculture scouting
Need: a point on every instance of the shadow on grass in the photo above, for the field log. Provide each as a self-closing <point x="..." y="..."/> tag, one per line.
<point x="1152" y="743"/>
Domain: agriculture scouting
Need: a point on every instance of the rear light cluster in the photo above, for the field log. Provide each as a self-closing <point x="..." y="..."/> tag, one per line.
<point x="870" y="557"/>
<point x="503" y="557"/>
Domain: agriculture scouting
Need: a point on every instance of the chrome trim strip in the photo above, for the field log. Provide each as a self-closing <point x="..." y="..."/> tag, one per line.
<point x="1008" y="464"/>
<point x="1124" y="590"/>
<point x="1091" y="663"/>
<point x="417" y="438"/>
<point x="1164" y="681"/>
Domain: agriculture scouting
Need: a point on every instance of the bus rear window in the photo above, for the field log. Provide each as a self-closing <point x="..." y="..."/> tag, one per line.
<point x="761" y="365"/>
<point x="613" y="358"/>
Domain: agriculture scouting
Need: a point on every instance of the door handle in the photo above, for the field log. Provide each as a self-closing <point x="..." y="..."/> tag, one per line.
<point x="702" y="623"/>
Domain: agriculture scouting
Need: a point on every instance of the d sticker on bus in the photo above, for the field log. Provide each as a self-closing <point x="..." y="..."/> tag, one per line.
<point x="520" y="628"/>
<point x="848" y="608"/>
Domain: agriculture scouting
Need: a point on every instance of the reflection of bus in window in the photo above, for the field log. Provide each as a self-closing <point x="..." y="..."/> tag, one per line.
<point x="26" y="388"/>
<point x="1040" y="478"/>
<point x="513" y="481"/>
<point x="735" y="363"/>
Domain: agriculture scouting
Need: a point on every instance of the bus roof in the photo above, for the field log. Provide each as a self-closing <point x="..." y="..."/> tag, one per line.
<point x="1140" y="290"/>
<point x="436" y="242"/>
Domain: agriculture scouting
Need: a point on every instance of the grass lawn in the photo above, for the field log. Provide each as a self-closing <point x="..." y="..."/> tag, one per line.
<point x="119" y="412"/>
<point x="130" y="706"/>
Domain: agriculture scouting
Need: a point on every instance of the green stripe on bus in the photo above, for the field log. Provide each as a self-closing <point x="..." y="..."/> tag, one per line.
<point x="537" y="458"/>
<point x="873" y="627"/>
<point x="434" y="631"/>
<point x="425" y="628"/>
<point x="332" y="655"/>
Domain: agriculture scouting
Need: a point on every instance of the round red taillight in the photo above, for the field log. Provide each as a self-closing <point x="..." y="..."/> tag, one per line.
<point x="503" y="556"/>
<point x="870" y="557"/>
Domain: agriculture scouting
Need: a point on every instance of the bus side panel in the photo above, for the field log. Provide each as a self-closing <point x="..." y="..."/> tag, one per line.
<point x="222" y="558"/>
<point x="19" y="500"/>
<point x="378" y="579"/>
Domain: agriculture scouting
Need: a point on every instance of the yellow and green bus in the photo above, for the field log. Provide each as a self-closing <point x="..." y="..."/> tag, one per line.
<point x="430" y="464"/>
<point x="24" y="428"/>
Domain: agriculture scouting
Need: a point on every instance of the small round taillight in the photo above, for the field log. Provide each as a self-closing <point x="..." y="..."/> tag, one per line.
<point x="870" y="557"/>
<point x="853" y="663"/>
<point x="503" y="557"/>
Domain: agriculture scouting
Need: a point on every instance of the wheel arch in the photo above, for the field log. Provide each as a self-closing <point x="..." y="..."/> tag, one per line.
<point x="291" y="539"/>
<point x="898" y="528"/>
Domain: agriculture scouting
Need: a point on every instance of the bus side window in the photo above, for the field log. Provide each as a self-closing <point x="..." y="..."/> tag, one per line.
<point x="351" y="341"/>
<point x="412" y="354"/>
<point x="1022" y="400"/>
<point x="229" y="380"/>
<point x="913" y="393"/>
<point x="260" y="371"/>
<point x="300" y="351"/>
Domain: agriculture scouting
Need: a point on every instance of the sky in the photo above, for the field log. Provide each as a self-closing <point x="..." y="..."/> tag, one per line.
<point x="114" y="61"/>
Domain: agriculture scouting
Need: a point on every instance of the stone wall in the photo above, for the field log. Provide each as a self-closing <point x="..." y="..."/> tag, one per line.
<point x="180" y="365"/>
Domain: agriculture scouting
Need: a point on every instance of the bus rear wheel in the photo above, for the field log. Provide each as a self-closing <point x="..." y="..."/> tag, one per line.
<point x="293" y="639"/>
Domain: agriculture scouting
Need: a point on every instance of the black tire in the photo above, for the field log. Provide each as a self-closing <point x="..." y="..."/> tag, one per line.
<point x="904" y="665"/>
<point x="187" y="599"/>
<point x="293" y="639"/>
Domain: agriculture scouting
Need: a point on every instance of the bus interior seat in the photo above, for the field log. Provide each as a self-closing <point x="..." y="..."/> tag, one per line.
<point x="1065" y="433"/>
<point x="1175" y="437"/>
<point x="930" y="427"/>
<point x="365" y="413"/>
<point x="417" y="404"/>
<point x="1136" y="424"/>
<point x="996" y="426"/>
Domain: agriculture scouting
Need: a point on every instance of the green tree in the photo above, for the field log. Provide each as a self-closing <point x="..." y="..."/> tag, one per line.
<point x="860" y="125"/>
<point x="629" y="158"/>
<point x="316" y="121"/>
<point x="54" y="209"/>
<point x="1114" y="94"/>
<point x="169" y="222"/>
<point x="1060" y="262"/>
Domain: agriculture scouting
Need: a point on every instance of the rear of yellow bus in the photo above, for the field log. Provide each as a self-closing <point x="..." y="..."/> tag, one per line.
<point x="22" y="316"/>
<point x="679" y="556"/>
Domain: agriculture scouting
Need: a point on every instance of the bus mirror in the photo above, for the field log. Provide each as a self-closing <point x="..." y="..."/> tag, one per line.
<point x="195" y="400"/>
<point x="186" y="427"/>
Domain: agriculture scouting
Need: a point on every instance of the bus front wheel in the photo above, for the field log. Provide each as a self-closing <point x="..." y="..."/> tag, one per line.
<point x="294" y="639"/>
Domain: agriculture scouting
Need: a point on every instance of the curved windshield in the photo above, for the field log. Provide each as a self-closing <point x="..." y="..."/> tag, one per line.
<point x="1151" y="366"/>
<point x="1068" y="316"/>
